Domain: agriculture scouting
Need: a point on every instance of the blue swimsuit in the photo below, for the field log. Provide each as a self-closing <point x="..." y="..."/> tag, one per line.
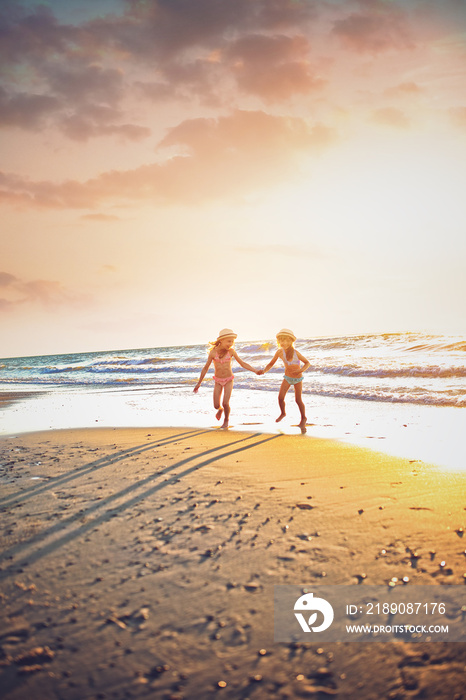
<point x="294" y="361"/>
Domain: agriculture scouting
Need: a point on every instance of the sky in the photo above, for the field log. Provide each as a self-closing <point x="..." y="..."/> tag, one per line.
<point x="173" y="167"/>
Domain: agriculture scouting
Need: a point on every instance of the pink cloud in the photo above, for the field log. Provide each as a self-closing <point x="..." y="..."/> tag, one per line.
<point x="103" y="218"/>
<point x="273" y="67"/>
<point x="6" y="279"/>
<point x="404" y="90"/>
<point x="6" y="305"/>
<point x="458" y="117"/>
<point x="83" y="79"/>
<point x="47" y="293"/>
<point x="390" y="116"/>
<point x="154" y="90"/>
<point x="222" y="158"/>
<point x="80" y="128"/>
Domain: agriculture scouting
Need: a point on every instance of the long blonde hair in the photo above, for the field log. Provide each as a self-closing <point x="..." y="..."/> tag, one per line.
<point x="215" y="343"/>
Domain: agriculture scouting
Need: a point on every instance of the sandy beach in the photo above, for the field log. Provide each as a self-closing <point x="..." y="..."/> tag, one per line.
<point x="141" y="563"/>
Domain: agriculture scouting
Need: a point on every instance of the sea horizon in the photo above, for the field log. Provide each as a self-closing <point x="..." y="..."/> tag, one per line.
<point x="460" y="337"/>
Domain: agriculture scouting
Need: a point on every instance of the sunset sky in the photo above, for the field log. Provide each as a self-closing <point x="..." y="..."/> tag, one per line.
<point x="172" y="167"/>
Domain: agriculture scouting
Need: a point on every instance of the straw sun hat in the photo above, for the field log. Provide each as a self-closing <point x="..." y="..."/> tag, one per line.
<point x="226" y="333"/>
<point x="286" y="331"/>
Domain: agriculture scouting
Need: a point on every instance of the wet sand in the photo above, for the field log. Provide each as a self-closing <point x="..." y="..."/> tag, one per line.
<point x="140" y="563"/>
<point x="9" y="397"/>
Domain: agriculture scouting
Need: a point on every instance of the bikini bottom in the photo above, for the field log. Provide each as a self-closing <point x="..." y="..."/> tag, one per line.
<point x="293" y="380"/>
<point x="223" y="380"/>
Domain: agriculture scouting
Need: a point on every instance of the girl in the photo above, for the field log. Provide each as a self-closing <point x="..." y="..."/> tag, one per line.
<point x="293" y="372"/>
<point x="221" y="355"/>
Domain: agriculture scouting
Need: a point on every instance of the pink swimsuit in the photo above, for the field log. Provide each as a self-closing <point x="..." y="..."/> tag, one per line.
<point x="221" y="360"/>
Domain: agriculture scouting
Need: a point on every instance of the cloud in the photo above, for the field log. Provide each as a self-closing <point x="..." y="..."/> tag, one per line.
<point x="145" y="32"/>
<point x="48" y="79"/>
<point x="149" y="33"/>
<point x="272" y="67"/>
<point x="104" y="218"/>
<point x="6" y="279"/>
<point x="199" y="78"/>
<point x="227" y="157"/>
<point x="27" y="111"/>
<point x="458" y="117"/>
<point x="99" y="63"/>
<point x="81" y="128"/>
<point x="165" y="29"/>
<point x="79" y="81"/>
<point x="153" y="90"/>
<point x="390" y="116"/>
<point x="74" y="110"/>
<point x="6" y="305"/>
<point x="380" y="26"/>
<point x="49" y="294"/>
<point x="31" y="34"/>
<point x="83" y="79"/>
<point x="404" y="90"/>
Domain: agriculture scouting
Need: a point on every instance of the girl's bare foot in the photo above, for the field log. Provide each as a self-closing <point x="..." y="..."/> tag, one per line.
<point x="225" y="424"/>
<point x="302" y="423"/>
<point x="218" y="415"/>
<point x="280" y="417"/>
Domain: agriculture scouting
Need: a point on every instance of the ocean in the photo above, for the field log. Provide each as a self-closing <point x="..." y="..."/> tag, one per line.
<point x="402" y="393"/>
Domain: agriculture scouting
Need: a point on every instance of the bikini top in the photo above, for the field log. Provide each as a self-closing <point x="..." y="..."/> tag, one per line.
<point x="294" y="360"/>
<point x="225" y="358"/>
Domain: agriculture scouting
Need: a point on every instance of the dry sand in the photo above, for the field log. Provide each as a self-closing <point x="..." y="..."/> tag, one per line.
<point x="140" y="564"/>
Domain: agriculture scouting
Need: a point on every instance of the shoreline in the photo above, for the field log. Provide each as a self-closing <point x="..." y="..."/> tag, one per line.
<point x="142" y="563"/>
<point x="430" y="434"/>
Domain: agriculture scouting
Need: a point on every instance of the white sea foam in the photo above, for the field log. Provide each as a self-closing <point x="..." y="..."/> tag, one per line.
<point x="403" y="368"/>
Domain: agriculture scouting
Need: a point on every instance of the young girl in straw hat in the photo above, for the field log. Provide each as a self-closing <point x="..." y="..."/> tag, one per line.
<point x="293" y="372"/>
<point x="221" y="355"/>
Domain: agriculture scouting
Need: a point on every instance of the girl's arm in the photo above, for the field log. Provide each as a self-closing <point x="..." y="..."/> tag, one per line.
<point x="271" y="363"/>
<point x="307" y="364"/>
<point x="243" y="364"/>
<point x="204" y="372"/>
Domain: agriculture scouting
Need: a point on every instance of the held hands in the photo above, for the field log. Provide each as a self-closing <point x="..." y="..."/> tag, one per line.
<point x="260" y="371"/>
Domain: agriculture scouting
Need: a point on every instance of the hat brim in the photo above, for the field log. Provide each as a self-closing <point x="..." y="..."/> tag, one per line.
<point x="227" y="335"/>
<point x="286" y="334"/>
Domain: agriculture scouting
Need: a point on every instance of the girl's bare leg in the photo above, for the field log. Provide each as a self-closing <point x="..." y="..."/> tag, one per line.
<point x="298" y="391"/>
<point x="281" y="400"/>
<point x="226" y="402"/>
<point x="217" y="395"/>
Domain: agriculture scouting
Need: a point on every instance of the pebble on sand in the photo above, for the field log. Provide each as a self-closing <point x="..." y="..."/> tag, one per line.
<point x="252" y="587"/>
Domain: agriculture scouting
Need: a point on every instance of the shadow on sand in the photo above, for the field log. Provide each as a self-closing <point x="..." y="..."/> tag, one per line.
<point x="61" y="533"/>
